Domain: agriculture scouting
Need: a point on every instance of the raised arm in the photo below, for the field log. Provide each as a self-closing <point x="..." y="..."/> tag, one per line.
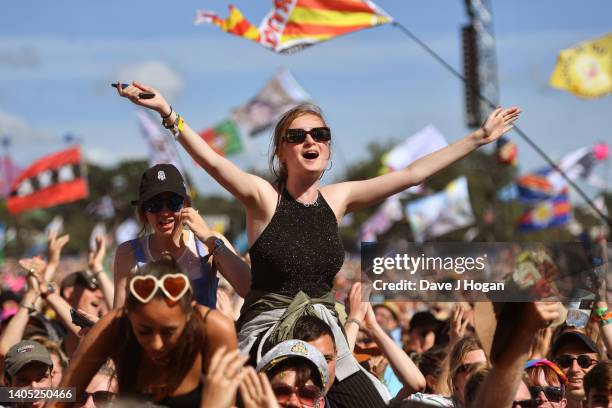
<point x="124" y="262"/>
<point x="354" y="195"/>
<point x="231" y="266"/>
<point x="96" y="266"/>
<point x="247" y="188"/>
<point x="93" y="351"/>
<point x="402" y="365"/>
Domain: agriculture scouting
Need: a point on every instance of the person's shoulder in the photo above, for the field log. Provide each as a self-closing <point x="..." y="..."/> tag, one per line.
<point x="125" y="248"/>
<point x="216" y="322"/>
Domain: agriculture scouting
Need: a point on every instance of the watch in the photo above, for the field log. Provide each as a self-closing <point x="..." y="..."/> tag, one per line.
<point x="219" y="246"/>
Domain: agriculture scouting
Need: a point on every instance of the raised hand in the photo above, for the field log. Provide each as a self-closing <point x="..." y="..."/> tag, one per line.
<point x="224" y="375"/>
<point x="158" y="103"/>
<point x="54" y="247"/>
<point x="256" y="391"/>
<point x="499" y="122"/>
<point x="96" y="258"/>
<point x="196" y="223"/>
<point x="358" y="306"/>
<point x="458" y="323"/>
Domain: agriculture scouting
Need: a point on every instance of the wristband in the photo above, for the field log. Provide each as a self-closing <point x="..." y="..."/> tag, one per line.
<point x="168" y="115"/>
<point x="353" y="320"/>
<point x="219" y="247"/>
<point x="29" y="308"/>
<point x="601" y="311"/>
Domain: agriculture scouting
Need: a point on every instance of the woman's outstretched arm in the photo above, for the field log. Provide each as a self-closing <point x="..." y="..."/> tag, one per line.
<point x="247" y="188"/>
<point x="354" y="195"/>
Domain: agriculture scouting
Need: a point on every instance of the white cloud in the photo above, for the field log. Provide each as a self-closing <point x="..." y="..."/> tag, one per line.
<point x="20" y="132"/>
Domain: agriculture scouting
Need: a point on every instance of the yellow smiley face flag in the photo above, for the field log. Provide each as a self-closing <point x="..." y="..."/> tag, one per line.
<point x="585" y="70"/>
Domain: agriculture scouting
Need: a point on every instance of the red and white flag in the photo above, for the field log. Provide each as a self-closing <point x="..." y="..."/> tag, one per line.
<point x="52" y="180"/>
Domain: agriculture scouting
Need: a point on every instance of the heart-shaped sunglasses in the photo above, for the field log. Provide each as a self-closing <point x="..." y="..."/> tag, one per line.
<point x="173" y="286"/>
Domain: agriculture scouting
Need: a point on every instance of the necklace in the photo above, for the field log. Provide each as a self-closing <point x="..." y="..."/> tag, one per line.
<point x="315" y="203"/>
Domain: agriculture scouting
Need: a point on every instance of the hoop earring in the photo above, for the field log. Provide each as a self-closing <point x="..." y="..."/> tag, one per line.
<point x="331" y="164"/>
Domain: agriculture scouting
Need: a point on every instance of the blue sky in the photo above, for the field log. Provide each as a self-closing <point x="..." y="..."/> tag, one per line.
<point x="58" y="58"/>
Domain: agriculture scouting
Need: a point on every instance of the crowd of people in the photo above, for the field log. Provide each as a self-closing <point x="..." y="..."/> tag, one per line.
<point x="182" y="320"/>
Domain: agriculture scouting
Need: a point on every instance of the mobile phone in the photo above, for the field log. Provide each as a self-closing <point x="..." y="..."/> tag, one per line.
<point x="142" y="95"/>
<point x="79" y="320"/>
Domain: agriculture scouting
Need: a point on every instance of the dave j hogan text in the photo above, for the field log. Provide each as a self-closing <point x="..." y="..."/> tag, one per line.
<point x="426" y="285"/>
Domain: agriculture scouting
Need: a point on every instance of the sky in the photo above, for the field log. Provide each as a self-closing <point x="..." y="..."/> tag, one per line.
<point x="57" y="60"/>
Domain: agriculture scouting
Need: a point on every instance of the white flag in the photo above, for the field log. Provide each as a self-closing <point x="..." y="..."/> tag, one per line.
<point x="281" y="93"/>
<point x="161" y="145"/>
<point x="442" y="212"/>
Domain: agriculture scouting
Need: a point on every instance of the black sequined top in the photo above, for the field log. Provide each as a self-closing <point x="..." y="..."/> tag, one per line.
<point x="300" y="249"/>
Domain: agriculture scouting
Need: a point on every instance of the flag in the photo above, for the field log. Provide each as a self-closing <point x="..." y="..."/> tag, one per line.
<point x="422" y="143"/>
<point x="294" y="24"/>
<point x="224" y="138"/>
<point x="542" y="184"/>
<point x="52" y="180"/>
<point x="8" y="173"/>
<point x="382" y="220"/>
<point x="161" y="146"/>
<point x="281" y="93"/>
<point x="442" y="212"/>
<point x="546" y="214"/>
<point x="585" y="70"/>
<point x="580" y="164"/>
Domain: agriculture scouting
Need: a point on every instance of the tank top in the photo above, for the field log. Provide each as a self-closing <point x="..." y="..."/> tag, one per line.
<point x="194" y="263"/>
<point x="300" y="249"/>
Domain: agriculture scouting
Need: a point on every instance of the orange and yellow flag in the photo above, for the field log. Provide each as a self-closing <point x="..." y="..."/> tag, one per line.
<point x="294" y="24"/>
<point x="585" y="70"/>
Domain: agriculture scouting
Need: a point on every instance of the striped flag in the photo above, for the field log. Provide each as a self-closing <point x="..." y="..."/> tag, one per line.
<point x="52" y="180"/>
<point x="294" y="24"/>
<point x="547" y="214"/>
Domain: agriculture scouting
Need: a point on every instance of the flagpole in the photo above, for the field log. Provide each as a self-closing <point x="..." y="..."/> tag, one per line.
<point x="516" y="128"/>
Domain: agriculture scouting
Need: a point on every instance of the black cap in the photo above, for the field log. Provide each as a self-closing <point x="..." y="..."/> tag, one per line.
<point x="159" y="179"/>
<point x="576" y="337"/>
<point x="24" y="353"/>
<point x="424" y="319"/>
<point x="82" y="278"/>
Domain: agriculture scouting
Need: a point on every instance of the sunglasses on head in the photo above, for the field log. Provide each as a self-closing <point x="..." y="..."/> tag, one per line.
<point x="319" y="134"/>
<point x="553" y="394"/>
<point x="566" y="360"/>
<point x="173" y="203"/>
<point x="99" y="397"/>
<point x="307" y="394"/>
<point x="530" y="403"/>
<point x="173" y="286"/>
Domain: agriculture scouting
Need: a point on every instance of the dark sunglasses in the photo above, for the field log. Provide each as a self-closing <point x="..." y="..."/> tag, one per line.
<point x="154" y="205"/>
<point x="319" y="134"/>
<point x="99" y="397"/>
<point x="307" y="394"/>
<point x="464" y="368"/>
<point x="553" y="394"/>
<point x="566" y="360"/>
<point x="530" y="403"/>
